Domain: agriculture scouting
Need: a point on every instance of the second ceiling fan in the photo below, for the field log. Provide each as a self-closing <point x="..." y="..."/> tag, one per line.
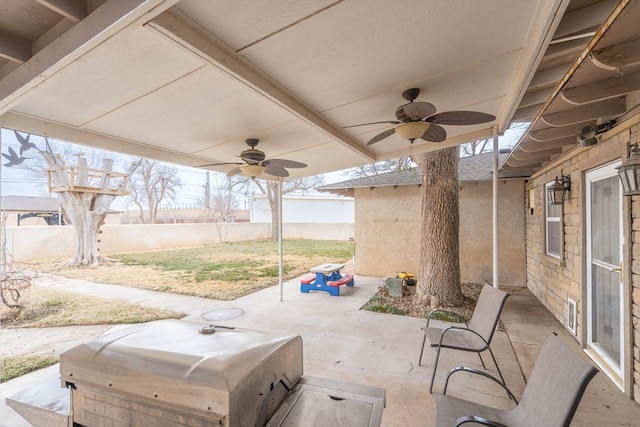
<point x="418" y="120"/>
<point x="254" y="163"/>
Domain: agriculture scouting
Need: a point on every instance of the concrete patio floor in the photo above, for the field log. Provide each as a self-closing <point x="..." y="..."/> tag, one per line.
<point x="344" y="343"/>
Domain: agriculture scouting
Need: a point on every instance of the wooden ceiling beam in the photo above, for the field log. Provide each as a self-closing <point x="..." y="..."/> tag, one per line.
<point x="549" y="77"/>
<point x="531" y="145"/>
<point x="526" y="114"/>
<point x="537" y="156"/>
<point x="603" y="89"/>
<point x="618" y="56"/>
<point x="584" y="19"/>
<point x="537" y="97"/>
<point x="15" y="49"/>
<point x="593" y="111"/>
<point x="548" y="134"/>
<point x="75" y="10"/>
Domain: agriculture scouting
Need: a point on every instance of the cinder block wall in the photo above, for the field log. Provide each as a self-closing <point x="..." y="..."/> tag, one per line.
<point x="37" y="243"/>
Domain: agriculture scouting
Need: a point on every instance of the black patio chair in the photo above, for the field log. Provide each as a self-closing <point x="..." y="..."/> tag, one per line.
<point x="475" y="337"/>
<point x="551" y="397"/>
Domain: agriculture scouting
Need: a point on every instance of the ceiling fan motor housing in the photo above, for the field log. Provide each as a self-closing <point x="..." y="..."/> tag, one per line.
<point x="252" y="155"/>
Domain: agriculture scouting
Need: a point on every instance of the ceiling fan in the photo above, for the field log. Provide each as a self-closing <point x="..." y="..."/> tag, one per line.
<point x="419" y="120"/>
<point x="255" y="163"/>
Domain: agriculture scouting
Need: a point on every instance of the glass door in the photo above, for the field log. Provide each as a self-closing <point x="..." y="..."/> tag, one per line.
<point x="604" y="266"/>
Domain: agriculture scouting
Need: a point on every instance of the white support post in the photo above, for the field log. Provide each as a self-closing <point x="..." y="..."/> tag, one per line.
<point x="496" y="150"/>
<point x="280" y="237"/>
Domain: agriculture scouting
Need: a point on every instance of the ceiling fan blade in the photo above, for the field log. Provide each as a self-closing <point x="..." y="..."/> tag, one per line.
<point x="389" y="122"/>
<point x="381" y="136"/>
<point x="435" y="133"/>
<point x="234" y="172"/>
<point x="276" y="170"/>
<point x="415" y="111"/>
<point x="461" y="118"/>
<point x="284" y="163"/>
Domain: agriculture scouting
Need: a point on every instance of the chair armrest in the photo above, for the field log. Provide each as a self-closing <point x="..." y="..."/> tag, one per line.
<point x="484" y="374"/>
<point x="460" y="328"/>
<point x="438" y="310"/>
<point x="479" y="420"/>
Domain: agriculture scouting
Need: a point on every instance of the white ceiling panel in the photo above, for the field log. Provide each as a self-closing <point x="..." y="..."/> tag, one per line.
<point x="117" y="72"/>
<point x="191" y="80"/>
<point x="203" y="109"/>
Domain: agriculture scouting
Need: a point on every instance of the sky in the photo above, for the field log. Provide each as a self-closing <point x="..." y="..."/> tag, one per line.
<point x="20" y="181"/>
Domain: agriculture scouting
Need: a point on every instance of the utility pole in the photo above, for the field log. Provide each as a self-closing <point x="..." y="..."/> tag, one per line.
<point x="207" y="193"/>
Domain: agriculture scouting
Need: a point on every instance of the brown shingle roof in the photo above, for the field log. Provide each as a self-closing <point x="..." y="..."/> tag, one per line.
<point x="473" y="168"/>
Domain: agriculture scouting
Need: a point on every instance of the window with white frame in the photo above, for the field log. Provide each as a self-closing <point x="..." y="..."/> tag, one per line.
<point x="553" y="227"/>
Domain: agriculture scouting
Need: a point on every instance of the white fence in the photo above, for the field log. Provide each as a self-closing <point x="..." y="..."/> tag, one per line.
<point x="38" y="243"/>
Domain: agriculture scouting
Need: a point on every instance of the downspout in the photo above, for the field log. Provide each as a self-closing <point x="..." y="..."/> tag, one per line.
<point x="496" y="150"/>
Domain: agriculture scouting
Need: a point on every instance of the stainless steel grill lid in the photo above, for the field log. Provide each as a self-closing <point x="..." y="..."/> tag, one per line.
<point x="227" y="373"/>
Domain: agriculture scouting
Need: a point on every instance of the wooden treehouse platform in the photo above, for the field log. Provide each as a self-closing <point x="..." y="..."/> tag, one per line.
<point x="87" y="180"/>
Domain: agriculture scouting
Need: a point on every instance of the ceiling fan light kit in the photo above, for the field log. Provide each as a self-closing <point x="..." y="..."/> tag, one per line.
<point x="411" y="130"/>
<point x="254" y="163"/>
<point x="252" y="171"/>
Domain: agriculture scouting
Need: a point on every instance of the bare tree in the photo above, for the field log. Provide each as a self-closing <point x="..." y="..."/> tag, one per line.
<point x="151" y="184"/>
<point x="391" y="165"/>
<point x="223" y="203"/>
<point x="439" y="274"/>
<point x="270" y="190"/>
<point x="506" y="141"/>
<point x="85" y="194"/>
<point x="476" y="147"/>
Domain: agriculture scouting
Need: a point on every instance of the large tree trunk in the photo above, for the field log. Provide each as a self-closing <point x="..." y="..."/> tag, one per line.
<point x="85" y="211"/>
<point x="439" y="271"/>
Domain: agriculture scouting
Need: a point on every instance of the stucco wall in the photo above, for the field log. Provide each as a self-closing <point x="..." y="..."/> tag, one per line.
<point x="52" y="243"/>
<point x="553" y="280"/>
<point x="388" y="230"/>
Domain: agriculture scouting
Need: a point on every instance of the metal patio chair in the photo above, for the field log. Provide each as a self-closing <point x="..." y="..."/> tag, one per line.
<point x="552" y="395"/>
<point x="475" y="337"/>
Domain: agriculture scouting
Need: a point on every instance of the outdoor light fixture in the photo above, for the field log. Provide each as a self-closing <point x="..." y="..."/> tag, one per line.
<point x="252" y="171"/>
<point x="628" y="171"/>
<point x="412" y="130"/>
<point x="558" y="191"/>
<point x="588" y="135"/>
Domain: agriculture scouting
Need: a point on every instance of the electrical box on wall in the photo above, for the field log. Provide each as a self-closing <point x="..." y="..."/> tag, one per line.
<point x="532" y="200"/>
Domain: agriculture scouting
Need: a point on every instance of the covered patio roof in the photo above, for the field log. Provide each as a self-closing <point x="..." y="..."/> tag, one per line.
<point x="189" y="81"/>
<point x="599" y="92"/>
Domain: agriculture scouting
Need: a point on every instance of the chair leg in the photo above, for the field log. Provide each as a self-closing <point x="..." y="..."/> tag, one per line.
<point x="482" y="361"/>
<point x="424" y="340"/>
<point x="497" y="367"/>
<point x="435" y="366"/>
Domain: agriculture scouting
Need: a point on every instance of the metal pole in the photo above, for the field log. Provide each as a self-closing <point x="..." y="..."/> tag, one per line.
<point x="3" y="219"/>
<point x="496" y="150"/>
<point x="280" y="264"/>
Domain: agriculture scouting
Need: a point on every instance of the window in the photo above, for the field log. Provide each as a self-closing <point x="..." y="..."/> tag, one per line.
<point x="553" y="227"/>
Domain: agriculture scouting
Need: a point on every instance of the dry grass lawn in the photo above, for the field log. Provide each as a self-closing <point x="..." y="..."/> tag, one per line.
<point x="44" y="308"/>
<point x="224" y="272"/>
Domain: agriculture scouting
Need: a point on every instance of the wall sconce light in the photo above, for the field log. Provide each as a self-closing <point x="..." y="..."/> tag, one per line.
<point x="629" y="171"/>
<point x="559" y="190"/>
